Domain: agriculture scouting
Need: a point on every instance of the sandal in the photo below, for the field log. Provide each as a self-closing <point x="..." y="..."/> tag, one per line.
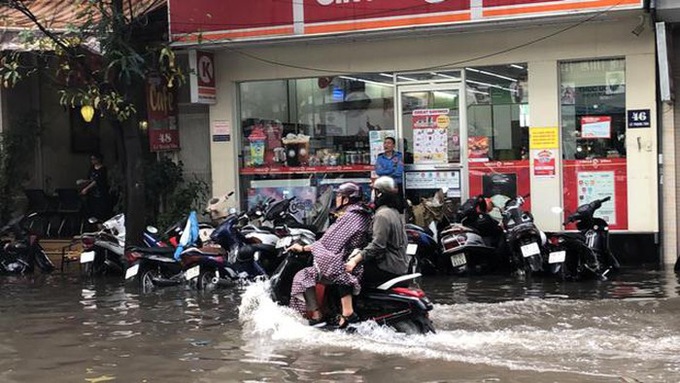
<point x="318" y="323"/>
<point x="347" y="320"/>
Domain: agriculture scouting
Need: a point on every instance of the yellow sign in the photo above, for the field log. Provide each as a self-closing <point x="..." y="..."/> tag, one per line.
<point x="544" y="138"/>
<point x="443" y="121"/>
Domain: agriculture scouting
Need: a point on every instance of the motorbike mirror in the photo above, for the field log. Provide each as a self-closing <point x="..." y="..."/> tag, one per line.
<point x="92" y="220"/>
<point x="557" y="210"/>
<point x="152" y="229"/>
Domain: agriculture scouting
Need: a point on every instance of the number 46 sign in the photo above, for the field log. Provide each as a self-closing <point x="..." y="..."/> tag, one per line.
<point x="639" y="118"/>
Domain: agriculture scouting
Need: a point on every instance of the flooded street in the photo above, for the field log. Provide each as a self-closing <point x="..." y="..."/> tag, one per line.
<point x="492" y="329"/>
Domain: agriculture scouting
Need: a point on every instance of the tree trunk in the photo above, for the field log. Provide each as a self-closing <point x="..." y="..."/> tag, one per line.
<point x="135" y="206"/>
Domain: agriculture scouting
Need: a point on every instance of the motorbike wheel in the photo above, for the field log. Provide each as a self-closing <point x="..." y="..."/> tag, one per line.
<point x="205" y="280"/>
<point x="407" y="326"/>
<point x="146" y="278"/>
<point x="43" y="261"/>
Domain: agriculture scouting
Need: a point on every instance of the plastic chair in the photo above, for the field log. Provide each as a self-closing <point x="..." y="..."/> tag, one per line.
<point x="39" y="202"/>
<point x="69" y="209"/>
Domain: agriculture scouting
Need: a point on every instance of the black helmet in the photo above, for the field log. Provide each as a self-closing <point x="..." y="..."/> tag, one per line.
<point x="350" y="190"/>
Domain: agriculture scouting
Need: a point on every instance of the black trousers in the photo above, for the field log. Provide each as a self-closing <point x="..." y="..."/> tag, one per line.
<point x="374" y="276"/>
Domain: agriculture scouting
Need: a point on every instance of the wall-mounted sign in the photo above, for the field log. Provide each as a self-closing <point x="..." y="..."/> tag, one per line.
<point x="221" y="131"/>
<point x="544" y="138"/>
<point x="199" y="21"/>
<point x="202" y="78"/>
<point x="596" y="127"/>
<point x="639" y="118"/>
<point x="544" y="163"/>
<point x="161" y="106"/>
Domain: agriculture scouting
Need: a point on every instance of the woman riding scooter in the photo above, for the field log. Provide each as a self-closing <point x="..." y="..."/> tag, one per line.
<point x="346" y="234"/>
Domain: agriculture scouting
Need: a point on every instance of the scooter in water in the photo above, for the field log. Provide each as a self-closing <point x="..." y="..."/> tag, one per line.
<point x="472" y="244"/>
<point x="20" y="249"/>
<point x="525" y="241"/>
<point x="586" y="253"/>
<point x="393" y="303"/>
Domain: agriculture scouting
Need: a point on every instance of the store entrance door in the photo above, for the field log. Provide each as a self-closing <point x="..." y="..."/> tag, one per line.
<point x="429" y="121"/>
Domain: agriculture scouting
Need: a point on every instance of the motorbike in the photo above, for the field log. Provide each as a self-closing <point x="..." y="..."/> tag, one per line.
<point x="394" y="303"/>
<point x="104" y="250"/>
<point x="524" y="240"/>
<point x="473" y="243"/>
<point x="575" y="256"/>
<point x="20" y="249"/>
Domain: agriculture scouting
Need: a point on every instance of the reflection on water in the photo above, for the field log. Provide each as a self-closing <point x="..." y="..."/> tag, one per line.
<point x="64" y="329"/>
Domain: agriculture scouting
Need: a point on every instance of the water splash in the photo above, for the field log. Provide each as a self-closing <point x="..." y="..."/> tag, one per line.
<point x="533" y="334"/>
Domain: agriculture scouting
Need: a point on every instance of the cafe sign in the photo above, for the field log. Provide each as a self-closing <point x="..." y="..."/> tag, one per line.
<point x="161" y="105"/>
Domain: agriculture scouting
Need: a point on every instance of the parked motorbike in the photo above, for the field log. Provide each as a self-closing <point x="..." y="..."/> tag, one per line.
<point x="472" y="244"/>
<point x="104" y="250"/>
<point x="393" y="303"/>
<point x="587" y="253"/>
<point x="525" y="241"/>
<point x="20" y="249"/>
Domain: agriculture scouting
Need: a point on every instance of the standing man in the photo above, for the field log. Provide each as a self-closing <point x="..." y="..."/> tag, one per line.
<point x="391" y="163"/>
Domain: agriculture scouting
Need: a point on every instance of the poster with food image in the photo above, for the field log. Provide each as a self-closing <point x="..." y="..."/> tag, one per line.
<point x="478" y="149"/>
<point x="596" y="127"/>
<point x="544" y="163"/>
<point x="598" y="185"/>
<point x="430" y="136"/>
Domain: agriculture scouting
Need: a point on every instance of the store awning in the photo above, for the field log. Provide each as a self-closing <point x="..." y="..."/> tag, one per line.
<point x="56" y="16"/>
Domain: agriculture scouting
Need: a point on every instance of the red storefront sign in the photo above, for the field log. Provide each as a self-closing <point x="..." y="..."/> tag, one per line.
<point x="196" y="21"/>
<point x="161" y="105"/>
<point x="588" y="180"/>
<point x="202" y="84"/>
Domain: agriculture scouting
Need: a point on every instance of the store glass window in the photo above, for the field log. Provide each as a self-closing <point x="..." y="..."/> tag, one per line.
<point x="593" y="106"/>
<point x="299" y="137"/>
<point x="498" y="131"/>
<point x="593" y="123"/>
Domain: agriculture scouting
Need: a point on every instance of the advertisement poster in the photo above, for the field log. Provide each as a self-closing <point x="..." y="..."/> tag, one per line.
<point x="478" y="149"/>
<point x="434" y="180"/>
<point x="302" y="205"/>
<point x="544" y="163"/>
<point x="501" y="180"/>
<point x="596" y="127"/>
<point x="598" y="185"/>
<point x="430" y="136"/>
<point x="221" y="131"/>
<point x="544" y="138"/>
<point x="376" y="139"/>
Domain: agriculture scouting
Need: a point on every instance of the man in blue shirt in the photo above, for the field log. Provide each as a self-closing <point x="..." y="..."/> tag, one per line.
<point x="391" y="163"/>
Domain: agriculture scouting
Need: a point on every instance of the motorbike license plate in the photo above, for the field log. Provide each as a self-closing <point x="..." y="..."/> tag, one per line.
<point x="411" y="249"/>
<point x="132" y="271"/>
<point x="192" y="273"/>
<point x="284" y="242"/>
<point x="458" y="260"/>
<point x="530" y="249"/>
<point x="557" y="257"/>
<point x="87" y="256"/>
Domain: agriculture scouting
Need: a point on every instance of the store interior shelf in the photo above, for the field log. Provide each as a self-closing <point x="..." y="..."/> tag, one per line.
<point x="306" y="169"/>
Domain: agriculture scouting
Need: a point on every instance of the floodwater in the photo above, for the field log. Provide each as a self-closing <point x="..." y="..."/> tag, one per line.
<point x="61" y="328"/>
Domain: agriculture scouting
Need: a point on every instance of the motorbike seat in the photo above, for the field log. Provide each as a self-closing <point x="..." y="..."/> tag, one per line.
<point x="205" y="250"/>
<point x="162" y="251"/>
<point x="394" y="281"/>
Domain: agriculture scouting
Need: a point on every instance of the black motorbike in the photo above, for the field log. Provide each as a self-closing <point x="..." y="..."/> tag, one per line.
<point x="586" y="253"/>
<point x="394" y="303"/>
<point x="473" y="243"/>
<point x="20" y="249"/>
<point x="524" y="240"/>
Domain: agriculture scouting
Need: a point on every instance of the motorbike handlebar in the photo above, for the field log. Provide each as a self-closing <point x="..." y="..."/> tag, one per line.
<point x="605" y="199"/>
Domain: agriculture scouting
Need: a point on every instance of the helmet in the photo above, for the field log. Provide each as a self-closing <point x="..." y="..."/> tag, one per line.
<point x="385" y="184"/>
<point x="349" y="190"/>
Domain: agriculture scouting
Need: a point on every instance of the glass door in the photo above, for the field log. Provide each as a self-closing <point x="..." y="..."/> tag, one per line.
<point x="429" y="121"/>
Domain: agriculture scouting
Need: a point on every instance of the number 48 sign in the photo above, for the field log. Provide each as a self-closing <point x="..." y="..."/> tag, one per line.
<point x="639" y="118"/>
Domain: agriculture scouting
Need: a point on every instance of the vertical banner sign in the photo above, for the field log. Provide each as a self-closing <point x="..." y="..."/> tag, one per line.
<point x="202" y="78"/>
<point x="544" y="143"/>
<point x="161" y="106"/>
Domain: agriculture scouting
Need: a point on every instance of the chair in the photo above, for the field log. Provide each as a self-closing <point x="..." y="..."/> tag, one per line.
<point x="39" y="202"/>
<point x="69" y="209"/>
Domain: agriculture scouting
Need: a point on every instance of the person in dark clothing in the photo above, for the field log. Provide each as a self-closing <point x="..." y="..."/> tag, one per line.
<point x="96" y="189"/>
<point x="384" y="258"/>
